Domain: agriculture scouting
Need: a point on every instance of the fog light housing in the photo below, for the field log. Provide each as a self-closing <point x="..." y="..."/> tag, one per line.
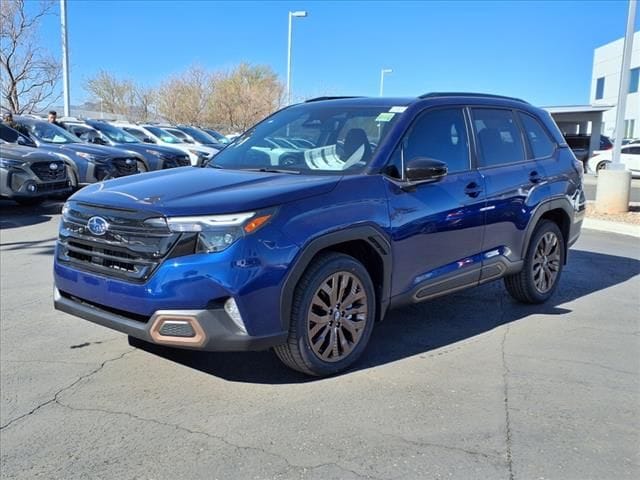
<point x="232" y="310"/>
<point x="31" y="187"/>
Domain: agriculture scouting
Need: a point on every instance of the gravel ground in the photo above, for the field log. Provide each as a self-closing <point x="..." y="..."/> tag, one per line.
<point x="632" y="216"/>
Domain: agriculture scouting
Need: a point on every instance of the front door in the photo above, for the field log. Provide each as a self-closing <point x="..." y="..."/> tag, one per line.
<point x="437" y="227"/>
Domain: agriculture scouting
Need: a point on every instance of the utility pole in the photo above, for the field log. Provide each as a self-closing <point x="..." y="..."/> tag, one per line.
<point x="614" y="183"/>
<point x="65" y="58"/>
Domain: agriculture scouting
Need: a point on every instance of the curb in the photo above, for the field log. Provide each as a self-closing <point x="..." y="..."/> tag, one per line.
<point x="611" y="227"/>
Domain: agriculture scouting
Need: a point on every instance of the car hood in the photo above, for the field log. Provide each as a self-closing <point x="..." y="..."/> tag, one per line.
<point x="143" y="147"/>
<point x="98" y="150"/>
<point x="204" y="191"/>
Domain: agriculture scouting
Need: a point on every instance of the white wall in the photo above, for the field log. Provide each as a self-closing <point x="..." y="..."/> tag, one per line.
<point x="607" y="62"/>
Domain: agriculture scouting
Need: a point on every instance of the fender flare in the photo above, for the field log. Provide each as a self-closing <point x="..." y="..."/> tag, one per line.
<point x="561" y="203"/>
<point x="368" y="233"/>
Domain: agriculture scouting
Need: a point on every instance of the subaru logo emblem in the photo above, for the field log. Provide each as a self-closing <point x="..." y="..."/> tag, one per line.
<point x="98" y="226"/>
<point x="128" y="161"/>
<point x="53" y="166"/>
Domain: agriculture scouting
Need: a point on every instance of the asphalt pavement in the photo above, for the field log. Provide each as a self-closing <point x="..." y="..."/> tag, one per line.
<point x="470" y="386"/>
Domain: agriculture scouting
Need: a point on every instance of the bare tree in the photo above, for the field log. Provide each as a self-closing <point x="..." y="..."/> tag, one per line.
<point x="243" y="96"/>
<point x="184" y="98"/>
<point x="116" y="95"/>
<point x="29" y="74"/>
<point x="146" y="100"/>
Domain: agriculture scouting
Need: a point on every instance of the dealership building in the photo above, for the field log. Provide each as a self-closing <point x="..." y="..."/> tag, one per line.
<point x="605" y="84"/>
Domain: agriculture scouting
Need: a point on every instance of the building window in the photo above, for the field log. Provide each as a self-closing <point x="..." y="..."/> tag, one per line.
<point x="600" y="88"/>
<point x="629" y="127"/>
<point x="634" y="78"/>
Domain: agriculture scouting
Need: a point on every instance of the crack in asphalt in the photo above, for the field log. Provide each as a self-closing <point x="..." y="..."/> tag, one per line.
<point x="505" y="381"/>
<point x="439" y="445"/>
<point x="289" y="465"/>
<point x="64" y="389"/>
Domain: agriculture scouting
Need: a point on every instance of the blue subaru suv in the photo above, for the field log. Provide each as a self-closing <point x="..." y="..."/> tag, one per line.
<point x="303" y="246"/>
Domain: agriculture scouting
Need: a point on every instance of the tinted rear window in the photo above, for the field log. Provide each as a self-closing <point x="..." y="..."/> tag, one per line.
<point x="539" y="140"/>
<point x="499" y="137"/>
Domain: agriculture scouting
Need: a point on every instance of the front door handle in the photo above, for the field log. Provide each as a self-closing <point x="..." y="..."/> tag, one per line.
<point x="534" y="177"/>
<point x="472" y="190"/>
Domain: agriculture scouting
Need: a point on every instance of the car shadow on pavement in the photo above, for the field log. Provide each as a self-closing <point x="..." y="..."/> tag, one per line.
<point x="427" y="328"/>
<point x="13" y="215"/>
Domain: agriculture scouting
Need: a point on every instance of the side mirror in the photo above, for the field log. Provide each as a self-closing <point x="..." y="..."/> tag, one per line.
<point x="148" y="140"/>
<point x="422" y="169"/>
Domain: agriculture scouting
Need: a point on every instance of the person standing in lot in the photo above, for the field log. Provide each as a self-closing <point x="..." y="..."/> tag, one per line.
<point x="53" y="118"/>
<point x="10" y="122"/>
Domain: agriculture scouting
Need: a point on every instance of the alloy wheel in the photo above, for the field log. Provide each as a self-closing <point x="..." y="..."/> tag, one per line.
<point x="546" y="262"/>
<point x="337" y="316"/>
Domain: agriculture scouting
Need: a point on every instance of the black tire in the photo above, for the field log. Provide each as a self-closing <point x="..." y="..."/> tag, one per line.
<point x="29" y="202"/>
<point x="298" y="353"/>
<point x="525" y="285"/>
<point x="603" y="165"/>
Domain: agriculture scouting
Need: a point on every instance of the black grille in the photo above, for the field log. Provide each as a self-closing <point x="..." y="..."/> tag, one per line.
<point x="177" y="161"/>
<point x="52" y="186"/>
<point x="131" y="248"/>
<point x="123" y="168"/>
<point x="44" y="171"/>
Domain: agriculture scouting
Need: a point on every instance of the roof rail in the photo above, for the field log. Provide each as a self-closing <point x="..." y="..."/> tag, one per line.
<point x="317" y="99"/>
<point x="470" y="94"/>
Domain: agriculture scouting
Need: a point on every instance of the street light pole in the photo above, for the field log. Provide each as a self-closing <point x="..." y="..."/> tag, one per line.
<point x="65" y="58"/>
<point x="299" y="13"/>
<point x="382" y="72"/>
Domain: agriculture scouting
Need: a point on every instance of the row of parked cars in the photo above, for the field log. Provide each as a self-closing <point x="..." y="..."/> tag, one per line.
<point x="601" y="158"/>
<point x="40" y="159"/>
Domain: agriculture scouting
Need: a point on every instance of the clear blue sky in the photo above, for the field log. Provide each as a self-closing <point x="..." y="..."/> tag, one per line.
<point x="539" y="50"/>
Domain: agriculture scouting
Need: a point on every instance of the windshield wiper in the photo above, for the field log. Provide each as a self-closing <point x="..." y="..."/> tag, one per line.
<point x="272" y="170"/>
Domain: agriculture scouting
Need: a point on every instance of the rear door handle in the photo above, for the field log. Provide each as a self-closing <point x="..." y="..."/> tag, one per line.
<point x="534" y="177"/>
<point x="472" y="190"/>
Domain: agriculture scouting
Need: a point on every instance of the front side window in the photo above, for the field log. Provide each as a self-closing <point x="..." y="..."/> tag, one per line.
<point x="499" y="137"/>
<point x="600" y="88"/>
<point x="163" y="135"/>
<point x="116" y="134"/>
<point x="312" y="138"/>
<point x="541" y="145"/>
<point x="439" y="135"/>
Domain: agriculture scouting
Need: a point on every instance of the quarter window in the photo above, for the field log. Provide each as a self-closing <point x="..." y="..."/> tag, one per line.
<point x="541" y="145"/>
<point x="441" y="135"/>
<point x="499" y="137"/>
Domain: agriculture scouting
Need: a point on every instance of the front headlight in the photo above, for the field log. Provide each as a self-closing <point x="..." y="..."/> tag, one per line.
<point x="6" y="163"/>
<point x="217" y="232"/>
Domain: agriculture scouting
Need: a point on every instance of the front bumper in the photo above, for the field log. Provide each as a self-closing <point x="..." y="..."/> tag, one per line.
<point x="210" y="330"/>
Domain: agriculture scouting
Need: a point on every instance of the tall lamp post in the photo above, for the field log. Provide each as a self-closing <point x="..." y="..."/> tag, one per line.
<point x="298" y="13"/>
<point x="382" y="74"/>
<point x="65" y="57"/>
<point x="614" y="183"/>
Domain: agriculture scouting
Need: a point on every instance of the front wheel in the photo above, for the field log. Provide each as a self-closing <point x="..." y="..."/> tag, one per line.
<point x="540" y="275"/>
<point x="333" y="312"/>
<point x="142" y="168"/>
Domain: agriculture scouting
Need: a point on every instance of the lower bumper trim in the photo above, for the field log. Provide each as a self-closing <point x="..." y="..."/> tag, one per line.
<point x="214" y="330"/>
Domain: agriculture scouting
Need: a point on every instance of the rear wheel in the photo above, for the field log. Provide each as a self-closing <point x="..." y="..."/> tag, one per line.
<point x="602" y="166"/>
<point x="540" y="275"/>
<point x="332" y="316"/>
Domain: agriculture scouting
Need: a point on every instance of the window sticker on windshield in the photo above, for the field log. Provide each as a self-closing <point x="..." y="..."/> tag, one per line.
<point x="397" y="109"/>
<point x="385" y="117"/>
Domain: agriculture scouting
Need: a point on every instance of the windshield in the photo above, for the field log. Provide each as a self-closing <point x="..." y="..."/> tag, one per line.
<point x="163" y="135"/>
<point x="49" y="133"/>
<point x="328" y="138"/>
<point x="199" y="135"/>
<point x="115" y="134"/>
<point x="217" y="135"/>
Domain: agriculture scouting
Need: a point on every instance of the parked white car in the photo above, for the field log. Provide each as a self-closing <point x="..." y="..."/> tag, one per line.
<point x="198" y="154"/>
<point x="629" y="155"/>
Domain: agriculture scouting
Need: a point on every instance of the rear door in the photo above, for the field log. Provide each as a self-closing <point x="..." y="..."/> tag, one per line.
<point x="513" y="184"/>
